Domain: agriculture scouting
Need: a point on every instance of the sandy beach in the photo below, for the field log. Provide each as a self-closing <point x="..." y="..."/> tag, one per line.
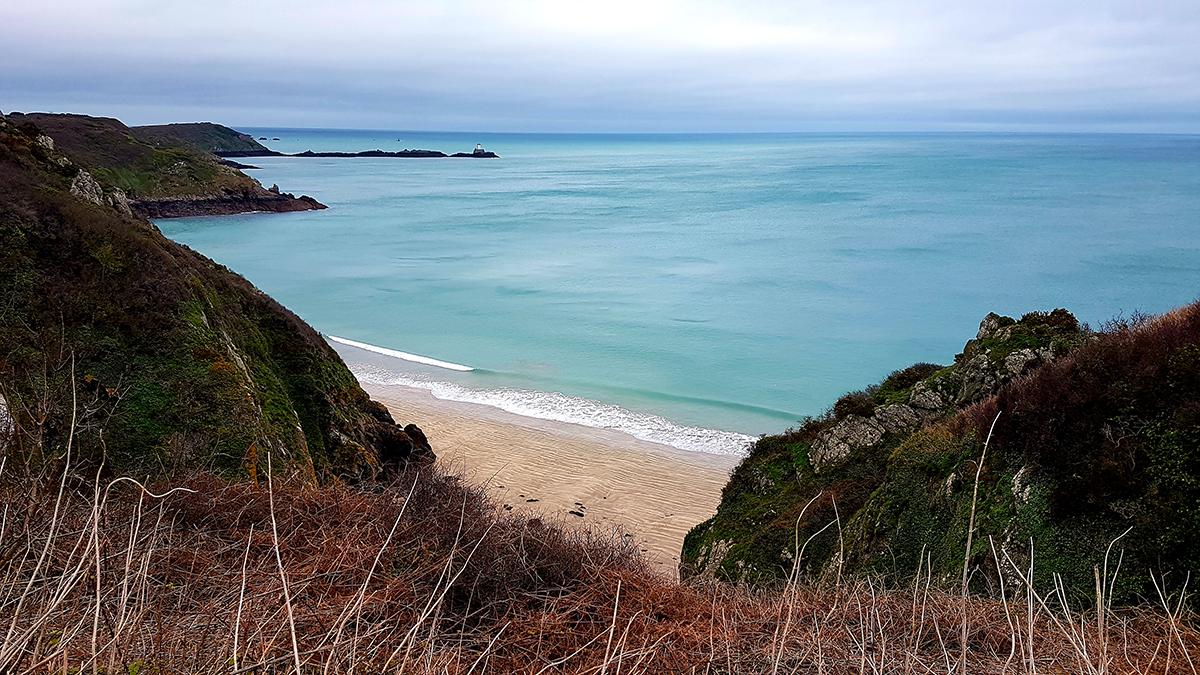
<point x="607" y="478"/>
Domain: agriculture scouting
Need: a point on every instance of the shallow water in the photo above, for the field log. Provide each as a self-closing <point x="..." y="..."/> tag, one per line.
<point x="681" y="287"/>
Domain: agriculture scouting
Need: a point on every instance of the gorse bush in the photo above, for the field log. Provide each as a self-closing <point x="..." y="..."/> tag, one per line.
<point x="1113" y="426"/>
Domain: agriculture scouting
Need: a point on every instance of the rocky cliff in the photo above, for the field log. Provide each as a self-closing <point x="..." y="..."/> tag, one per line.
<point x="160" y="177"/>
<point x="1096" y="437"/>
<point x="138" y="353"/>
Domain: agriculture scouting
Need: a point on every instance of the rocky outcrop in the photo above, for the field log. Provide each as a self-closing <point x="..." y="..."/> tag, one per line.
<point x="867" y="441"/>
<point x="1003" y="350"/>
<point x="86" y="188"/>
<point x="852" y="433"/>
<point x="898" y="418"/>
<point x="225" y="202"/>
<point x="157" y="172"/>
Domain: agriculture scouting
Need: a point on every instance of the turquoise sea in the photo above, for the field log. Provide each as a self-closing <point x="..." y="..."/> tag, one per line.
<point x="698" y="290"/>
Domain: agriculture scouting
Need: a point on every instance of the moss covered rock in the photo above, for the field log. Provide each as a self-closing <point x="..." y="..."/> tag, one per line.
<point x="1097" y="435"/>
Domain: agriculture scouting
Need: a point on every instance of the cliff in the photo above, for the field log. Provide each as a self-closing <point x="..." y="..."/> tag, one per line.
<point x="1096" y="440"/>
<point x="155" y="174"/>
<point x="137" y="352"/>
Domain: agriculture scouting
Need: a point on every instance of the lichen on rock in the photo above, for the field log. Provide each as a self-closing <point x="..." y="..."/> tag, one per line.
<point x="87" y="188"/>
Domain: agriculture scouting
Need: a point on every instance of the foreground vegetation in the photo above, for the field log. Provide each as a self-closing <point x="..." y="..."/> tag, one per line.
<point x="424" y="575"/>
<point x="1094" y="437"/>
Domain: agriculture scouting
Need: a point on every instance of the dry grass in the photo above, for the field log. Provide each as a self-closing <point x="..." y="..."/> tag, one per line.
<point x="426" y="576"/>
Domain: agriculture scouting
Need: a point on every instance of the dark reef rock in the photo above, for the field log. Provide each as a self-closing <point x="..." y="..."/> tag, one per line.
<point x="237" y="165"/>
<point x="224" y="203"/>
<point x="365" y="153"/>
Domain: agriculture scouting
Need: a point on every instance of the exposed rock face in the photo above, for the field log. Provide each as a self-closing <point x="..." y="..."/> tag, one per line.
<point x="1023" y="360"/>
<point x="85" y="187"/>
<point x="225" y="202"/>
<point x="852" y="433"/>
<point x="926" y="398"/>
<point x="119" y="201"/>
<point x="977" y="379"/>
<point x="897" y="418"/>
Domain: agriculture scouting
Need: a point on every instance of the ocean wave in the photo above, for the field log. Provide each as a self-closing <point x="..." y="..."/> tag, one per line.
<point x="401" y="355"/>
<point x="573" y="409"/>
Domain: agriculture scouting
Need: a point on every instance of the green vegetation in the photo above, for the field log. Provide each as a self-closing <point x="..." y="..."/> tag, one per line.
<point x="119" y="157"/>
<point x="166" y="360"/>
<point x="1096" y="434"/>
<point x="204" y="136"/>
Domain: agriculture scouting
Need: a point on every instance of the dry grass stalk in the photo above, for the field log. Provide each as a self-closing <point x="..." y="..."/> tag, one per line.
<point x="425" y="576"/>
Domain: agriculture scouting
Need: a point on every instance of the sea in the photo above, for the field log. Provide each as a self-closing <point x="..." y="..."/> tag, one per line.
<point x="699" y="290"/>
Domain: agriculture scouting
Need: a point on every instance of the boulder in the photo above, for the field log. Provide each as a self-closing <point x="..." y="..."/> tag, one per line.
<point x="926" y="398"/>
<point x="87" y="188"/>
<point x="120" y="201"/>
<point x="852" y="433"/>
<point x="897" y="418"/>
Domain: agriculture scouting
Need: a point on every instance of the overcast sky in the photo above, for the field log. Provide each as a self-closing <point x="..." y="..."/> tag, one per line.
<point x="611" y="65"/>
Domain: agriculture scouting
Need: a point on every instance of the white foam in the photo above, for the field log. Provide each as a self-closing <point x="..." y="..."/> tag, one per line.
<point x="572" y="409"/>
<point x="401" y="355"/>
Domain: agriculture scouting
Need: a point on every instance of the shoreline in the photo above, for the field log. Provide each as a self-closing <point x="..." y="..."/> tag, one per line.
<point x="580" y="475"/>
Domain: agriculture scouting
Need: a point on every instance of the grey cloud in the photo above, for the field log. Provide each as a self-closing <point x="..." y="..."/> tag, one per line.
<point x="762" y="66"/>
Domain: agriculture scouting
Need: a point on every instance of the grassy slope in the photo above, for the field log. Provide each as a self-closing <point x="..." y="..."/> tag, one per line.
<point x="1104" y="438"/>
<point x="205" y="136"/>
<point x="173" y="360"/>
<point x="115" y="156"/>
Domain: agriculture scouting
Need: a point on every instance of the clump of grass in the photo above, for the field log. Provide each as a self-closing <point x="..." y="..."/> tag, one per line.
<point x="425" y="575"/>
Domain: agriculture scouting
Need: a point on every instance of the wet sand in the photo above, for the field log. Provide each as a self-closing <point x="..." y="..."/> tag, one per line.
<point x="654" y="492"/>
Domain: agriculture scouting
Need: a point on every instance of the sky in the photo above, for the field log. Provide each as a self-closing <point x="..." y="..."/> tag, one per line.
<point x="611" y="65"/>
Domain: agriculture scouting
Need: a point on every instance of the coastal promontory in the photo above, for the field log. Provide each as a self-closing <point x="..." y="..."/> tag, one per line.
<point x="123" y="349"/>
<point x="155" y="173"/>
